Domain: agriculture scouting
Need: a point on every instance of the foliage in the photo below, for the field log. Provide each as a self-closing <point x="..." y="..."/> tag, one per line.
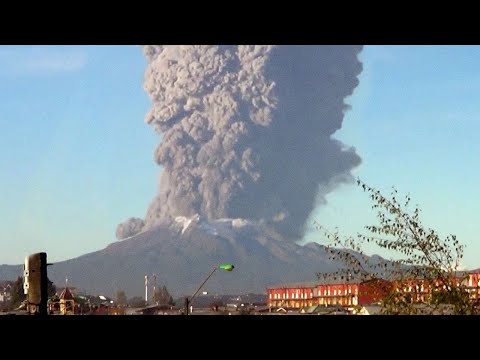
<point x="163" y="297"/>
<point x="137" y="301"/>
<point x="51" y="288"/>
<point x="423" y="269"/>
<point x="17" y="294"/>
<point x="121" y="298"/>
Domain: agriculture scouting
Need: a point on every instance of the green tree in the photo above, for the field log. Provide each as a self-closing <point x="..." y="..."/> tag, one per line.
<point x="423" y="266"/>
<point x="163" y="297"/>
<point x="121" y="298"/>
<point x="17" y="294"/>
<point x="51" y="288"/>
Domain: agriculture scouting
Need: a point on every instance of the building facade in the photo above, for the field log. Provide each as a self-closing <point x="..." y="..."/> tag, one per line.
<point x="353" y="292"/>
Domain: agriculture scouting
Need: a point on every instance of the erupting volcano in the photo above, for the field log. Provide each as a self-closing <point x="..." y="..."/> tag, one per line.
<point x="247" y="152"/>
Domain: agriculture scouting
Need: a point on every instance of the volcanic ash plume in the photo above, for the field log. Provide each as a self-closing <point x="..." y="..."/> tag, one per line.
<point x="129" y="228"/>
<point x="246" y="131"/>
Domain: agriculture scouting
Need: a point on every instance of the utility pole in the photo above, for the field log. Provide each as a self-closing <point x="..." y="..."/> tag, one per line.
<point x="154" y="287"/>
<point x="146" y="289"/>
<point x="186" y="305"/>
<point x="189" y="300"/>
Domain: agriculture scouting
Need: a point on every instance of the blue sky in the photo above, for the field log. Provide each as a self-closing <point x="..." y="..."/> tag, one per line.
<point x="77" y="159"/>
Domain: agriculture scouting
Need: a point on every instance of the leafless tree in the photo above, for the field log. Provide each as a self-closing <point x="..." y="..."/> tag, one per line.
<point x="423" y="268"/>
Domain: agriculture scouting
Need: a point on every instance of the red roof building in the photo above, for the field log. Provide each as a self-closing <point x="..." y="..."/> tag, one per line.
<point x="67" y="302"/>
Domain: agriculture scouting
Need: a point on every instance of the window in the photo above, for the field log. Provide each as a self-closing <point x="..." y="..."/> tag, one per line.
<point x="270" y="296"/>
<point x="334" y="292"/>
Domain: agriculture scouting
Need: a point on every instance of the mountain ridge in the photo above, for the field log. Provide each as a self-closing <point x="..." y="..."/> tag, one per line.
<point x="182" y="256"/>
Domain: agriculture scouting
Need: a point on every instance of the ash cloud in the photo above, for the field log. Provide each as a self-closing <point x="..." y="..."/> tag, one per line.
<point x="129" y="227"/>
<point x="246" y="131"/>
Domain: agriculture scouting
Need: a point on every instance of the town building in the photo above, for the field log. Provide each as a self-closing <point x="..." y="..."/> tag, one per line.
<point x="67" y="302"/>
<point x="418" y="290"/>
<point x="343" y="292"/>
<point x="350" y="291"/>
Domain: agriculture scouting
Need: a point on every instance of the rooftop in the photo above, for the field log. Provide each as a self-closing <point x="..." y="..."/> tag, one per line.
<point x="66" y="295"/>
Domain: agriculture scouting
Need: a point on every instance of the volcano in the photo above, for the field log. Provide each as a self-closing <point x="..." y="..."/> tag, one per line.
<point x="182" y="255"/>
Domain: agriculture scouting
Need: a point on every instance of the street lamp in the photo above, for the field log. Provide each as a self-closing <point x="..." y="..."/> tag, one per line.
<point x="224" y="267"/>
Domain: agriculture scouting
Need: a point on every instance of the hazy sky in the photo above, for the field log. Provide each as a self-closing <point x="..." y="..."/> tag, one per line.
<point x="77" y="158"/>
